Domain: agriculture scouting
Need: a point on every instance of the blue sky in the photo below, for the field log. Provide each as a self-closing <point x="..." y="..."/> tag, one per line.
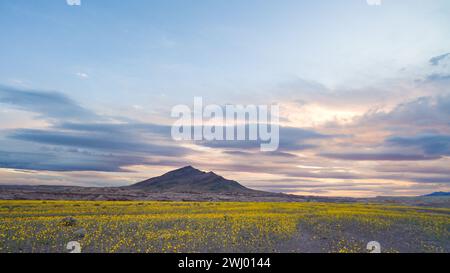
<point x="149" y="48"/>
<point x="335" y="67"/>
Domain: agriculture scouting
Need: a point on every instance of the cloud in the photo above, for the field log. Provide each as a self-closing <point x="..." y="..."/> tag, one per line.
<point x="76" y="141"/>
<point x="82" y="75"/>
<point x="73" y="2"/>
<point x="322" y="177"/>
<point x="433" y="180"/>
<point x="430" y="144"/>
<point x="85" y="151"/>
<point x="438" y="77"/>
<point x="260" y="153"/>
<point x="421" y="147"/>
<point x="405" y="168"/>
<point x="95" y="141"/>
<point x="436" y="60"/>
<point x="424" y="111"/>
<point x="117" y="128"/>
<point x="51" y="105"/>
<point x="291" y="139"/>
<point x="91" y="147"/>
<point x="378" y="156"/>
<point x="67" y="161"/>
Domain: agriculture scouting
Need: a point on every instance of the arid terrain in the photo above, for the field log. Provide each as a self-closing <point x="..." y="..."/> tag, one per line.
<point x="208" y="213"/>
<point x="190" y="184"/>
<point x="184" y="184"/>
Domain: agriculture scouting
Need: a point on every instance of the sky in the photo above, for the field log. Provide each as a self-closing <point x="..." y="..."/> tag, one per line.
<point x="86" y="91"/>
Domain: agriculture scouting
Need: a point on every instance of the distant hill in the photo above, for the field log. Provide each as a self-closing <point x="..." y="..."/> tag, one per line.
<point x="191" y="184"/>
<point x="436" y="194"/>
<point x="189" y="179"/>
<point x="185" y="184"/>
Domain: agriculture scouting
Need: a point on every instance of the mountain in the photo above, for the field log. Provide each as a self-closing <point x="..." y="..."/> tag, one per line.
<point x="189" y="179"/>
<point x="436" y="194"/>
<point x="185" y="184"/>
<point x="190" y="184"/>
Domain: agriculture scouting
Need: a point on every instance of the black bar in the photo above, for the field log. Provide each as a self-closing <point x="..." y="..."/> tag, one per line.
<point x="171" y="262"/>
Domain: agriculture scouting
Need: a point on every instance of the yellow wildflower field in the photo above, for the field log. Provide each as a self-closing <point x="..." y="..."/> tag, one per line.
<point x="39" y="227"/>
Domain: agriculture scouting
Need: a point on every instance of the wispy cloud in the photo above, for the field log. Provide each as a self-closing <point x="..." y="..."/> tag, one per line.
<point x="68" y="160"/>
<point x="430" y="144"/>
<point x="437" y="59"/>
<point x="103" y="142"/>
<point x="49" y="105"/>
<point x="425" y="111"/>
<point x="291" y="139"/>
<point x="378" y="156"/>
<point x="82" y="75"/>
